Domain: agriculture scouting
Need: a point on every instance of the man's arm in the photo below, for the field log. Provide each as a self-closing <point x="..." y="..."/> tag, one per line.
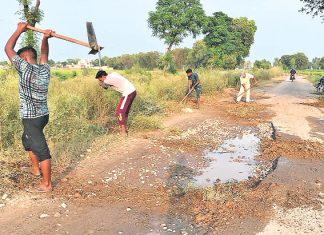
<point x="103" y="84"/>
<point x="45" y="47"/>
<point x="11" y="43"/>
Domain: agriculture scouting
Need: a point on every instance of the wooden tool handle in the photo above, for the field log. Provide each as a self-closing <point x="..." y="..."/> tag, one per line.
<point x="60" y="36"/>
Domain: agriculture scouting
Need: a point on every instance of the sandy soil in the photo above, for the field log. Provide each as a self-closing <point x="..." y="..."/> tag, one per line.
<point x="143" y="184"/>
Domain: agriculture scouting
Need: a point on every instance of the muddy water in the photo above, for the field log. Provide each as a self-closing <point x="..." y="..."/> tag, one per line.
<point x="234" y="160"/>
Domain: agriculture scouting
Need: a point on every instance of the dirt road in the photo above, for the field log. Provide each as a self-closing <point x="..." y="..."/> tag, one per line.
<point x="291" y="116"/>
<point x="168" y="181"/>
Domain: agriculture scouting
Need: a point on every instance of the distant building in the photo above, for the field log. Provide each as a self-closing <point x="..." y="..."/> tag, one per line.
<point x="84" y="64"/>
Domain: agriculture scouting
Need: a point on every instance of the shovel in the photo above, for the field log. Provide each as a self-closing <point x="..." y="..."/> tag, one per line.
<point x="94" y="48"/>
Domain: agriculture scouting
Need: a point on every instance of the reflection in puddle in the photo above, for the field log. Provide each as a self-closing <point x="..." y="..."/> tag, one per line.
<point x="234" y="160"/>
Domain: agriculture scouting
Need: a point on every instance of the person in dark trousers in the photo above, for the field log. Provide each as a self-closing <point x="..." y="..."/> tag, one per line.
<point x="123" y="86"/>
<point x="292" y="74"/>
<point x="193" y="83"/>
<point x="33" y="88"/>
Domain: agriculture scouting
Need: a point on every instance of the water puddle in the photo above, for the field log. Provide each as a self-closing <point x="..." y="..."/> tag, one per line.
<point x="233" y="161"/>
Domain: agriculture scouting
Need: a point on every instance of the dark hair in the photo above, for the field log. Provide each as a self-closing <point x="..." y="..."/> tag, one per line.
<point x="101" y="73"/>
<point x="28" y="48"/>
<point x="189" y="71"/>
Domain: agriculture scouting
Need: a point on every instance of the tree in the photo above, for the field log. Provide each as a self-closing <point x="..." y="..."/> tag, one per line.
<point x="297" y="61"/>
<point x="321" y="63"/>
<point x="173" y="20"/>
<point x="51" y="62"/>
<point x="180" y="57"/>
<point x="31" y="15"/>
<point x="276" y="62"/>
<point x="287" y="61"/>
<point x="72" y="61"/>
<point x="301" y="60"/>
<point x="315" y="63"/>
<point x="228" y="37"/>
<point x="199" y="55"/>
<point x="148" y="60"/>
<point x="313" y="7"/>
<point x="229" y="61"/>
<point x="167" y="62"/>
<point x="262" y="64"/>
<point x="245" y="30"/>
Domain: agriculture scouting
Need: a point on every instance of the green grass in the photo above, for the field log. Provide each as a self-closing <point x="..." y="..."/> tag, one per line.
<point x="312" y="75"/>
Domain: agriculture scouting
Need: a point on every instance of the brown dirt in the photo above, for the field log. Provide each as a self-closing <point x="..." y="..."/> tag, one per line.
<point x="292" y="148"/>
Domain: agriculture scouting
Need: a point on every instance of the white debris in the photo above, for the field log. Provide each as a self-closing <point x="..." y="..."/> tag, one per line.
<point x="187" y="110"/>
<point x="42" y="216"/>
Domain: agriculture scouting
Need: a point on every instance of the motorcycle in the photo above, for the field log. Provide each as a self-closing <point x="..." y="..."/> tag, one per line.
<point x="320" y="85"/>
<point x="292" y="77"/>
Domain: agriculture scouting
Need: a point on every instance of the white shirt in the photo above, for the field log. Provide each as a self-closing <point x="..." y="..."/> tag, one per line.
<point x="246" y="79"/>
<point x="119" y="83"/>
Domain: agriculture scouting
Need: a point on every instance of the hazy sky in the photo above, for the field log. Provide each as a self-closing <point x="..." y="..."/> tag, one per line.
<point x="121" y="26"/>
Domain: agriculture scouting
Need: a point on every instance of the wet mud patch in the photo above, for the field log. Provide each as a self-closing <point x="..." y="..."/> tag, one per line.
<point x="228" y="206"/>
<point x="292" y="148"/>
<point x="225" y="204"/>
<point x="248" y="113"/>
<point x="317" y="127"/>
<point x="214" y="202"/>
<point x="318" y="104"/>
<point x="234" y="161"/>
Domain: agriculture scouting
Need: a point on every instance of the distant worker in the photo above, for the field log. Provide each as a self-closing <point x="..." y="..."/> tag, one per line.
<point x="245" y="80"/>
<point x="292" y="74"/>
<point x="123" y="86"/>
<point x="34" y="79"/>
<point x="193" y="84"/>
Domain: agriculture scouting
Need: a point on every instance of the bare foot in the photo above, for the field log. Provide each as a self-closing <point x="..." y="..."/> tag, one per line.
<point x="46" y="187"/>
<point x="35" y="171"/>
<point x="40" y="189"/>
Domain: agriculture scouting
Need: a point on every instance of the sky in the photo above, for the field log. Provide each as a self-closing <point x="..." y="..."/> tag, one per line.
<point x="121" y="26"/>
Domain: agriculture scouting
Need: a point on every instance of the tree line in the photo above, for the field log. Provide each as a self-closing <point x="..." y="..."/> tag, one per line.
<point x="197" y="57"/>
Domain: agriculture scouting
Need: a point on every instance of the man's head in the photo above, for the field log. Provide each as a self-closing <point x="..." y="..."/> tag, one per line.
<point x="189" y="72"/>
<point x="28" y="53"/>
<point x="243" y="74"/>
<point x="101" y="75"/>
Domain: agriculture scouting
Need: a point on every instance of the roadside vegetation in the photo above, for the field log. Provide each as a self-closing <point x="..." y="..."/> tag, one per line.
<point x="313" y="75"/>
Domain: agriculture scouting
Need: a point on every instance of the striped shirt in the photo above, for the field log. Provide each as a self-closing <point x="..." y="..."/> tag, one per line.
<point x="33" y="87"/>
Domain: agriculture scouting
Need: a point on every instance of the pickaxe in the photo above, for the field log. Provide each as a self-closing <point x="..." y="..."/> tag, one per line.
<point x="93" y="41"/>
<point x="189" y="92"/>
<point x="95" y="48"/>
